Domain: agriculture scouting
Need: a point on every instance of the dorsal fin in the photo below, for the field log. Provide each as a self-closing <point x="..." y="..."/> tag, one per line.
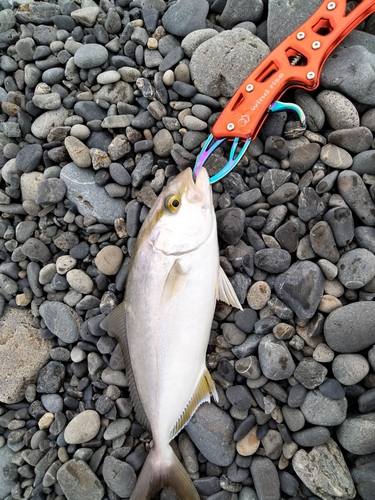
<point x="202" y="394"/>
<point x="115" y="323"/>
<point x="225" y="291"/>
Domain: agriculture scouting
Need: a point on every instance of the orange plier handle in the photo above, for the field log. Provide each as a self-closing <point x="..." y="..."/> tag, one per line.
<point x="296" y="62"/>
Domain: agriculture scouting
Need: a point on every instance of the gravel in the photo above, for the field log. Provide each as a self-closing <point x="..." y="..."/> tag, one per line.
<point x="102" y="103"/>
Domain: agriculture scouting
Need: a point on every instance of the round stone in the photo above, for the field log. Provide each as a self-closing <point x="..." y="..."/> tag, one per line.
<point x="82" y="428"/>
<point x="349" y="369"/>
<point x="351" y="328"/>
<point x="258" y="295"/>
<point x="90" y="56"/>
<point x="320" y="410"/>
<point x="357" y="434"/>
<point x="109" y="260"/>
<point x="80" y="281"/>
<point x="356" y="268"/>
<point x="275" y="359"/>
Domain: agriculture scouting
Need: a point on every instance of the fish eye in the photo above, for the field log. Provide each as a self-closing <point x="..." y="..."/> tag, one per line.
<point x="172" y="203"/>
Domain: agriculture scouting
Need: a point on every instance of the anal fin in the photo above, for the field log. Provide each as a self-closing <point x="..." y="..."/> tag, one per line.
<point x="225" y="291"/>
<point x="202" y="394"/>
<point x="115" y="324"/>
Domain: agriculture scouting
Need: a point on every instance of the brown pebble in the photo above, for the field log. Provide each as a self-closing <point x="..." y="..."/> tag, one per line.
<point x="109" y="260"/>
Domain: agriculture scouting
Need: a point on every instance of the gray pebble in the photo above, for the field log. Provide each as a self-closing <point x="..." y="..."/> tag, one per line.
<point x="341" y="222"/>
<point x="304" y="157"/>
<point x="185" y="16"/>
<point x="362" y="475"/>
<point x="230" y="224"/>
<point x="336" y="157"/>
<point x="272" y="260"/>
<point x="365" y="237"/>
<point x="29" y="157"/>
<point x="51" y="377"/>
<point x="315" y="117"/>
<point x="363" y="163"/>
<point x="356" y="85"/>
<point x="294" y="418"/>
<point x="301" y="288"/>
<point x="349" y="369"/>
<point x="356" y="268"/>
<point x="265" y="477"/>
<point x="353" y="190"/>
<point x="90" y="56"/>
<point x="320" y="410"/>
<point x="357" y="434"/>
<point x="310" y="373"/>
<point x="214" y="73"/>
<point x="36" y="250"/>
<point x="323" y="242"/>
<point x="77" y="480"/>
<point x="340" y="112"/>
<point x="211" y="430"/>
<point x="275" y="359"/>
<point x="61" y="320"/>
<point x="354" y="140"/>
<point x="332" y="389"/>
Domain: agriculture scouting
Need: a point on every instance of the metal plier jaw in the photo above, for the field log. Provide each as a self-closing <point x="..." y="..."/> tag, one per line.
<point x="296" y="62"/>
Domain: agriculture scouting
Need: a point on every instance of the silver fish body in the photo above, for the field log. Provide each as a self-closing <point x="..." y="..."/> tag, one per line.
<point x="164" y="323"/>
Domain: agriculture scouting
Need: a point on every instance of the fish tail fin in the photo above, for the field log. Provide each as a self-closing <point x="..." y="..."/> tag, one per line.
<point x="163" y="471"/>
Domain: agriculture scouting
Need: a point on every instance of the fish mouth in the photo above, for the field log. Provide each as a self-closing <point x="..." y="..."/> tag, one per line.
<point x="198" y="190"/>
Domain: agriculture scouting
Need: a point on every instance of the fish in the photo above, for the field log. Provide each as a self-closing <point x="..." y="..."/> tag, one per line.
<point x="164" y="323"/>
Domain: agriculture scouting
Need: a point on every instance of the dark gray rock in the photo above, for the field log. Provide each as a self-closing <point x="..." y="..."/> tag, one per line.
<point x="314" y="436"/>
<point x="29" y="157"/>
<point x="236" y="12"/>
<point x="266" y="479"/>
<point x="365" y="237"/>
<point x="364" y="163"/>
<point x="301" y="288"/>
<point x="331" y="388"/>
<point x="310" y="204"/>
<point x="119" y="476"/>
<point x="50" y="378"/>
<point x="272" y="260"/>
<point x="142" y="169"/>
<point x="185" y="16"/>
<point x="353" y="190"/>
<point x="356" y="85"/>
<point x="273" y="179"/>
<point x="211" y="430"/>
<point x="283" y="194"/>
<point x="36" y="250"/>
<point x="50" y="191"/>
<point x="61" y="320"/>
<point x="230" y="224"/>
<point x="304" y="157"/>
<point x="315" y="117"/>
<point x="366" y="401"/>
<point x="354" y="140"/>
<point x="323" y="242"/>
<point x="363" y="476"/>
<point x="341" y="222"/>
<point x="89" y="111"/>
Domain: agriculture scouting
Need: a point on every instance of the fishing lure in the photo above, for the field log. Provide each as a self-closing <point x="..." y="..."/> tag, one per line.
<point x="295" y="62"/>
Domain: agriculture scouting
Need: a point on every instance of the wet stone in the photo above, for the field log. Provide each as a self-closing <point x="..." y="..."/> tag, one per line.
<point x="309" y="204"/>
<point x="304" y="157"/>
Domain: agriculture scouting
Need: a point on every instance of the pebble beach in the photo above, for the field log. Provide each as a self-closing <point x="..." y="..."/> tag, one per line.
<point x="102" y="103"/>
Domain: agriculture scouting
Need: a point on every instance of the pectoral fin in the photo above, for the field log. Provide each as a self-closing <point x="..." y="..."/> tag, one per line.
<point x="174" y="283"/>
<point x="115" y="324"/>
<point x="202" y="394"/>
<point x="225" y="292"/>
